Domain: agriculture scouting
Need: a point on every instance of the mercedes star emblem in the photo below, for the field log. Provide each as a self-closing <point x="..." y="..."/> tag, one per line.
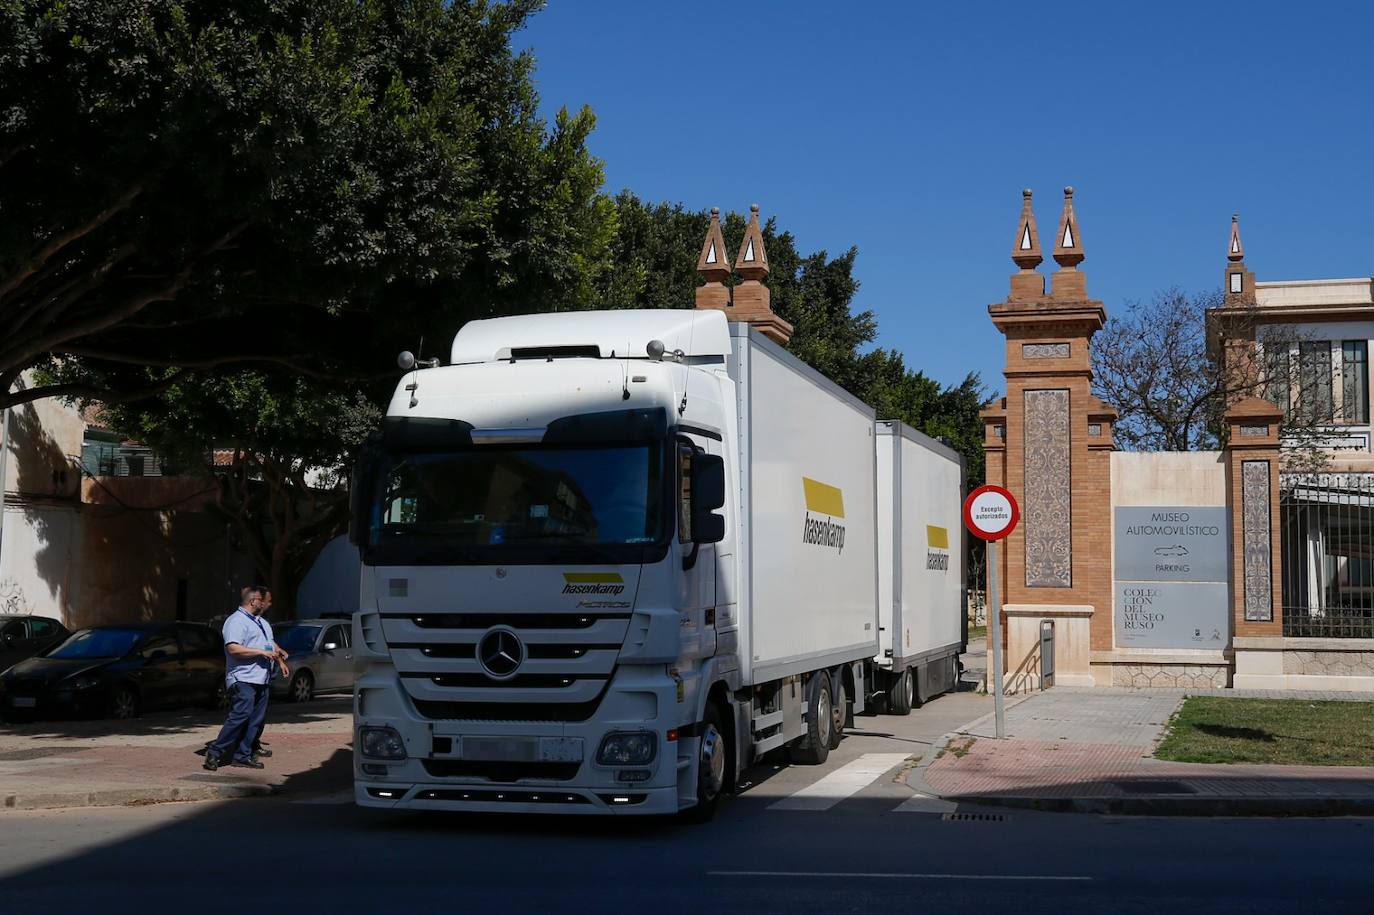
<point x="500" y="652"/>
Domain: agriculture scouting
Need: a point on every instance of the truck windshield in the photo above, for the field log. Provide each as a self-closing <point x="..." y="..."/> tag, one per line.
<point x="530" y="504"/>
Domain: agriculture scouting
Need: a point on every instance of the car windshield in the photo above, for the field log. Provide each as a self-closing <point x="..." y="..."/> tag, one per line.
<point x="97" y="643"/>
<point x="514" y="503"/>
<point x="297" y="638"/>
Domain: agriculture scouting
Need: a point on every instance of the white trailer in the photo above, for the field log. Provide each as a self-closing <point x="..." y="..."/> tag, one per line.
<point x="808" y="548"/>
<point x="610" y="558"/>
<point x="921" y="545"/>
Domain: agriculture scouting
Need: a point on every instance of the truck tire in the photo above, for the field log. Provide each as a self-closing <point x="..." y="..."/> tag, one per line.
<point x="839" y="711"/>
<point x="713" y="767"/>
<point x="814" y="748"/>
<point x="902" y="693"/>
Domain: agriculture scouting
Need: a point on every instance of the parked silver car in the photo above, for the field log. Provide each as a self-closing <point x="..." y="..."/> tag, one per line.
<point x="321" y="658"/>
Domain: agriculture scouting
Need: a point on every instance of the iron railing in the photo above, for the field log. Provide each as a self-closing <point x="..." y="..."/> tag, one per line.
<point x="1327" y="538"/>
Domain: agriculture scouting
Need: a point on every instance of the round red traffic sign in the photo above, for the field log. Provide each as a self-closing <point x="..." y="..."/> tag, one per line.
<point x="991" y="513"/>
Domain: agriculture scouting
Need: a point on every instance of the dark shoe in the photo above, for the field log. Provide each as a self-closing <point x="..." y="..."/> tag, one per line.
<point x="262" y="751"/>
<point x="211" y="762"/>
<point x="247" y="764"/>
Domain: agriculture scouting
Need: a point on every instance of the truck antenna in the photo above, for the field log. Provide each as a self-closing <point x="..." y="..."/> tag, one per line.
<point x="625" y="373"/>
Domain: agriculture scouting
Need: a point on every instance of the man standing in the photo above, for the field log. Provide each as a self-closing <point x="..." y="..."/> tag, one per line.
<point x="264" y="608"/>
<point x="249" y="653"/>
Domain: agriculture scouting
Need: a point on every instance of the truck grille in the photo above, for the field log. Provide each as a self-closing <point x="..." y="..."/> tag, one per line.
<point x="566" y="661"/>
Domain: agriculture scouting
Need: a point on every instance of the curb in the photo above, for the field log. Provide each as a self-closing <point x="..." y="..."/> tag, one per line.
<point x="1174" y="806"/>
<point x="121" y="797"/>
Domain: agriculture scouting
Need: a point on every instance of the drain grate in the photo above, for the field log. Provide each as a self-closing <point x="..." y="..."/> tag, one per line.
<point x="38" y="753"/>
<point x="1148" y="786"/>
<point x="974" y="817"/>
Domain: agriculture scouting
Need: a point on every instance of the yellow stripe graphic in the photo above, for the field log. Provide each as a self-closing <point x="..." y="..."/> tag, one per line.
<point x="823" y="499"/>
<point x="593" y="578"/>
<point x="937" y="537"/>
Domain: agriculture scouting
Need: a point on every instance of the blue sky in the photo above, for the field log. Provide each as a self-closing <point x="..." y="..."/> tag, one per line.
<point x="909" y="129"/>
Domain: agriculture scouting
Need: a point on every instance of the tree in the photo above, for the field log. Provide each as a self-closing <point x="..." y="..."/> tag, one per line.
<point x="279" y="448"/>
<point x="655" y="251"/>
<point x="1173" y="366"/>
<point x="203" y="186"/>
<point x="224" y="220"/>
<point x="1152" y="364"/>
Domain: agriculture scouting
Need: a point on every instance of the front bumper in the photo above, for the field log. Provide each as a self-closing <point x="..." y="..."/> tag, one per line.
<point x="489" y="798"/>
<point x="638" y="698"/>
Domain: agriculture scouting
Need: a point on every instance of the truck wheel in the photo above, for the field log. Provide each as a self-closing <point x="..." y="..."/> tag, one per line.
<point x="839" y="711"/>
<point x="713" y="767"/>
<point x="814" y="748"/>
<point x="902" y="694"/>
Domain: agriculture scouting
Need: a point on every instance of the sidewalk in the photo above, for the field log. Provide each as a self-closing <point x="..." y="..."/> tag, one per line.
<point x="152" y="759"/>
<point x="1088" y="750"/>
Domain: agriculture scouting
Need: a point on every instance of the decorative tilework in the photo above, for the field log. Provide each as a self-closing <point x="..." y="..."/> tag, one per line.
<point x="1044" y="350"/>
<point x="1255" y="502"/>
<point x="1094" y="429"/>
<point x="1258" y="431"/>
<point x="1046" y="512"/>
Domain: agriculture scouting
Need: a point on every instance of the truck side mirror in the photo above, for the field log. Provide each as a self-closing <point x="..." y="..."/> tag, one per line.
<point x="360" y="488"/>
<point x="708" y="494"/>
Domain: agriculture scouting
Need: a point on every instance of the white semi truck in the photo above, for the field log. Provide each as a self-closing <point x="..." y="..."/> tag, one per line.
<point x="611" y="558"/>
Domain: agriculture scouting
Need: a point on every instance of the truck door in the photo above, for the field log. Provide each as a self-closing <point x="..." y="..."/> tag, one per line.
<point x="699" y="581"/>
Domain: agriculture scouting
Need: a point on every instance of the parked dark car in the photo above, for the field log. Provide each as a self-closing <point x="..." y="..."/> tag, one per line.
<point x="321" y="658"/>
<point x="118" y="672"/>
<point x="22" y="637"/>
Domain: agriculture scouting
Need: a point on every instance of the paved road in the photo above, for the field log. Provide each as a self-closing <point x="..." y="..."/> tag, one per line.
<point x="847" y="836"/>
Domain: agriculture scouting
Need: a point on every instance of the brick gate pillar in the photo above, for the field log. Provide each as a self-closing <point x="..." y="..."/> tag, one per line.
<point x="1252" y="485"/>
<point x="1049" y="441"/>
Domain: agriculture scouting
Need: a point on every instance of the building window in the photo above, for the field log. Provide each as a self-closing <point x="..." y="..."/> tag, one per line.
<point x="1314" y="380"/>
<point x="1355" y="381"/>
<point x="1277" y="379"/>
<point x="1237" y="283"/>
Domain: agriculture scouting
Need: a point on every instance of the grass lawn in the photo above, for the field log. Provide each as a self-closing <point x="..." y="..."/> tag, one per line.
<point x="977" y="632"/>
<point x="1299" y="732"/>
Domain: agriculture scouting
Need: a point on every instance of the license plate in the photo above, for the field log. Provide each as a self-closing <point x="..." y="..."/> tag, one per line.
<point x="522" y="749"/>
<point x="23" y="701"/>
<point x="501" y="749"/>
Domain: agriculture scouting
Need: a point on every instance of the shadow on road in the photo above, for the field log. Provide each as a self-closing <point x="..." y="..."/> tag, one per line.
<point x="176" y="721"/>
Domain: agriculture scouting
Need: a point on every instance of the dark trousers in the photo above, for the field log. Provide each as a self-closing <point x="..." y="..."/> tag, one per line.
<point x="247" y="711"/>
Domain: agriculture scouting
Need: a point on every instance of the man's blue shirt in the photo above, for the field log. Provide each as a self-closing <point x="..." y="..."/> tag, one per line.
<point x="251" y="632"/>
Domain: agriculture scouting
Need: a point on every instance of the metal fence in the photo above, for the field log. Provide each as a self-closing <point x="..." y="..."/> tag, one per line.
<point x="1327" y="529"/>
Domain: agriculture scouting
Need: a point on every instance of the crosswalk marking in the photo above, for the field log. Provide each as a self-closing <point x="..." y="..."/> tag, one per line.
<point x="847" y="780"/>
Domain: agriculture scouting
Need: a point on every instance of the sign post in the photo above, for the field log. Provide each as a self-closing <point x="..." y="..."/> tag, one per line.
<point x="990" y="514"/>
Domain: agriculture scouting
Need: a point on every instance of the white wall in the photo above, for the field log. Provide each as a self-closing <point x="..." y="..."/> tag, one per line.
<point x="331" y="585"/>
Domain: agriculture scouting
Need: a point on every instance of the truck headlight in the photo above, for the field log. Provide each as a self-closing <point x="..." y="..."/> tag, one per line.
<point x="382" y="743"/>
<point x="636" y="748"/>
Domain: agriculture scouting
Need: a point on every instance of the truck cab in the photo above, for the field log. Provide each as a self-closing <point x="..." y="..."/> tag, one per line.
<point x="547" y="570"/>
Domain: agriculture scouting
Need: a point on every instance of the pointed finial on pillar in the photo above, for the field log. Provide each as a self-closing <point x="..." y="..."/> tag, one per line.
<point x="1025" y="251"/>
<point x="1068" y="243"/>
<point x="1068" y="283"/>
<point x="1028" y="285"/>
<point x="713" y="267"/>
<point x="1240" y="282"/>
<point x="752" y="301"/>
<point x="752" y="263"/>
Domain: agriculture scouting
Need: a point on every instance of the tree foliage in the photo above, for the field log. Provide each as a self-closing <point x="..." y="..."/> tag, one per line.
<point x="201" y="185"/>
<point x="655" y="251"/>
<point x="1152" y="364"/>
<point x="222" y="220"/>
<point x="1172" y="366"/>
